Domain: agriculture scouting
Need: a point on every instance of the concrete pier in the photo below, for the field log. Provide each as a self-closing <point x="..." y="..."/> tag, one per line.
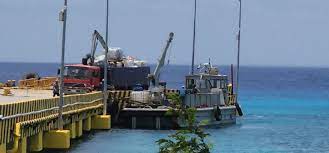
<point x="19" y="95"/>
<point x="29" y="119"/>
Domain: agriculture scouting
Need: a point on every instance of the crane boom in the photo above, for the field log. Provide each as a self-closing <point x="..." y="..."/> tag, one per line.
<point x="156" y="74"/>
<point x="95" y="38"/>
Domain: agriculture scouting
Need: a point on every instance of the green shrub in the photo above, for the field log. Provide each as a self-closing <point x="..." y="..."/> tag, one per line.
<point x="188" y="140"/>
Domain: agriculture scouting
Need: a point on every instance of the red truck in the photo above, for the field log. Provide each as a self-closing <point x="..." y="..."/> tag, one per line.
<point x="79" y="78"/>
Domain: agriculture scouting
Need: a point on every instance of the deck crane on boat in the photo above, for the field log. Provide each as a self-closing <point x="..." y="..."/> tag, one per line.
<point x="154" y="78"/>
<point x="155" y="88"/>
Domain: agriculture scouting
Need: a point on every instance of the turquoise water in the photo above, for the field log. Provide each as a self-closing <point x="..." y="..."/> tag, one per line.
<point x="286" y="110"/>
<point x="264" y="128"/>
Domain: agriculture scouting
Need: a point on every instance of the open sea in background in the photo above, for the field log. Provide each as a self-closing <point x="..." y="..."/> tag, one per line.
<point x="286" y="110"/>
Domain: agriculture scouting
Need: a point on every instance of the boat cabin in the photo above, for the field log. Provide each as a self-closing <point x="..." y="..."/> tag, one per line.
<point x="206" y="90"/>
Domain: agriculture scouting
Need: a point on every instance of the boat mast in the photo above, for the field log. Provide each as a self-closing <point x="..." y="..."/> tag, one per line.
<point x="238" y="57"/>
<point x="194" y="24"/>
<point x="106" y="60"/>
<point x="232" y="79"/>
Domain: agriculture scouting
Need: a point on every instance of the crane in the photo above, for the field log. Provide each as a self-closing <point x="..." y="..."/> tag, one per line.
<point x="154" y="77"/>
<point x="91" y="57"/>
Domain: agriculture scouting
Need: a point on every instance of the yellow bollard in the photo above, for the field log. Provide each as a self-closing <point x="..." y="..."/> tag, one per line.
<point x="36" y="142"/>
<point x="101" y="122"/>
<point x="56" y="139"/>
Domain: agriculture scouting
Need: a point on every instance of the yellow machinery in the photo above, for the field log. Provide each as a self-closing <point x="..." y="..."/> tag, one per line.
<point x="6" y="92"/>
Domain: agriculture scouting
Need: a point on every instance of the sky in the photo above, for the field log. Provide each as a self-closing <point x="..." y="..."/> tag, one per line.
<point x="274" y="32"/>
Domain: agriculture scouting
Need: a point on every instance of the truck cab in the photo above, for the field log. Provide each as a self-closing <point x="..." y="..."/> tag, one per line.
<point x="79" y="78"/>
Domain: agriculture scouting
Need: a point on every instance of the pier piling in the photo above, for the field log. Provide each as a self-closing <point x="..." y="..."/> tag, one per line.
<point x="87" y="124"/>
<point x="36" y="142"/>
<point x="78" y="129"/>
<point x="72" y="128"/>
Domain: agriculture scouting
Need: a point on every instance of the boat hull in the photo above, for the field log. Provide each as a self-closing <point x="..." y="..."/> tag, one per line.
<point x="148" y="118"/>
<point x="207" y="116"/>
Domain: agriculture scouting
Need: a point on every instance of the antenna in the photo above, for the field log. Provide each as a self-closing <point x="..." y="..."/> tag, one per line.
<point x="238" y="57"/>
<point x="194" y="24"/>
<point x="232" y="79"/>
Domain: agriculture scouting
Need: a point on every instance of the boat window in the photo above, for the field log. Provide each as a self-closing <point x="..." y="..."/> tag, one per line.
<point x="213" y="83"/>
<point x="219" y="84"/>
<point x="222" y="84"/>
<point x="190" y="83"/>
<point x="201" y="84"/>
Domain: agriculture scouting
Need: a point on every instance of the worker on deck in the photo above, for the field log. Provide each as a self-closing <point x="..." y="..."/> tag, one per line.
<point x="55" y="88"/>
<point x="101" y="84"/>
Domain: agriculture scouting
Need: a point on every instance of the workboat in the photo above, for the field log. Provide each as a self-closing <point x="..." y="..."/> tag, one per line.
<point x="212" y="96"/>
<point x="208" y="92"/>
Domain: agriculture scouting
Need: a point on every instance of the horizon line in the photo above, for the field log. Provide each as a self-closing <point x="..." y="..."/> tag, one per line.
<point x="177" y="64"/>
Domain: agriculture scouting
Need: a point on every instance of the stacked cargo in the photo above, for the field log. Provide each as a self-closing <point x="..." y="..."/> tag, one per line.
<point x="43" y="83"/>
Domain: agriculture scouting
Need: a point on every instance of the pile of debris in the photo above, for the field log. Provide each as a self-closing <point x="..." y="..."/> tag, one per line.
<point x="116" y="58"/>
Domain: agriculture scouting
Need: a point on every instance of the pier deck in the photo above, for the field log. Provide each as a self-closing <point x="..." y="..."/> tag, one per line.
<point x="24" y="94"/>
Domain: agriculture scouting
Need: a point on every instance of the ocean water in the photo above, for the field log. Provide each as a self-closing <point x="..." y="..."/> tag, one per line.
<point x="286" y="110"/>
